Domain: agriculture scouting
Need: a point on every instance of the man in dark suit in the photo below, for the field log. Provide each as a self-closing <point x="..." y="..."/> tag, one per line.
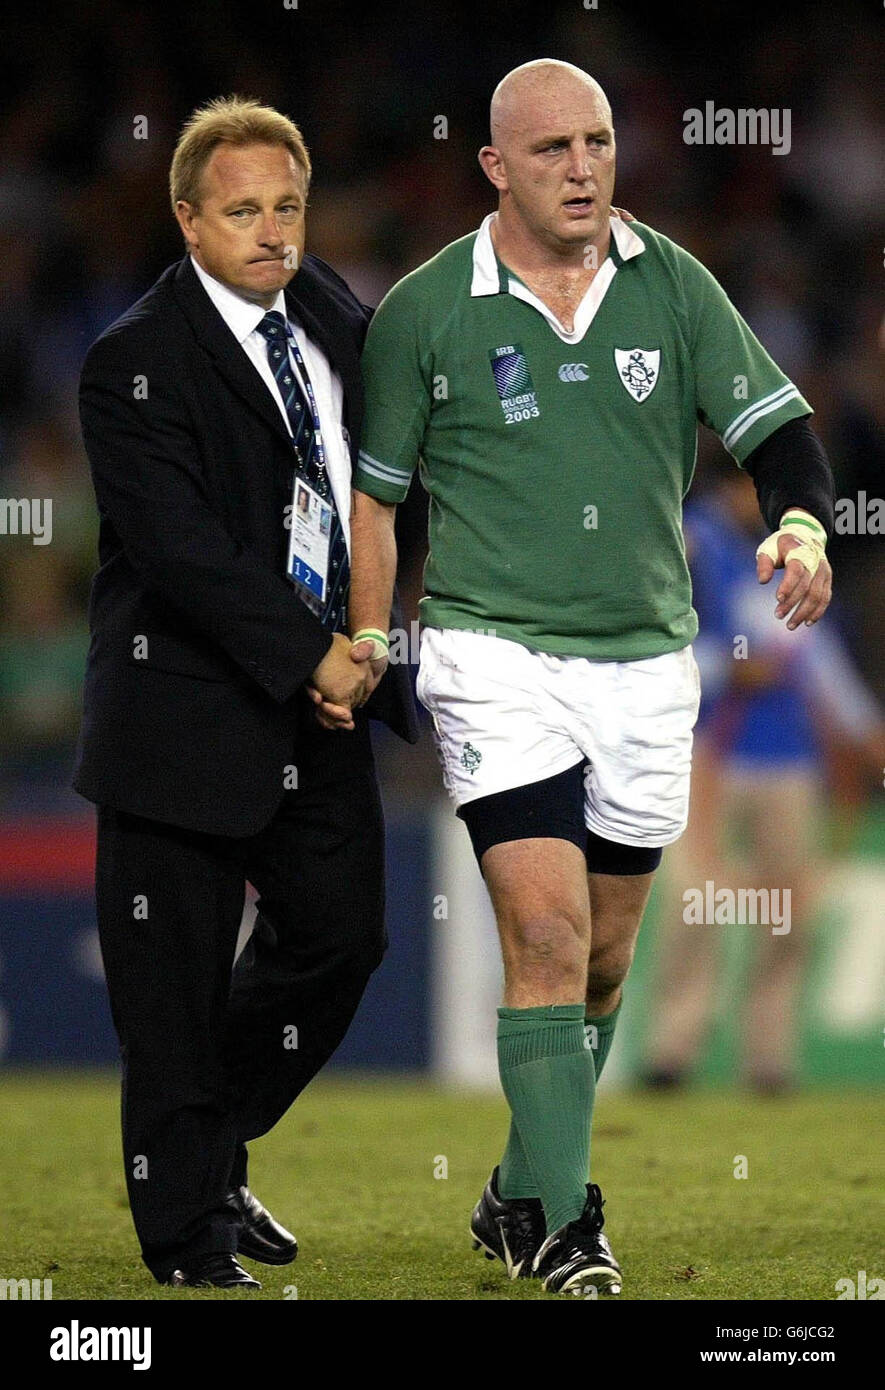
<point x="217" y="651"/>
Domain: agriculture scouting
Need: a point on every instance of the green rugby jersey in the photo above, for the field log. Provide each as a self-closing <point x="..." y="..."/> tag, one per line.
<point x="557" y="463"/>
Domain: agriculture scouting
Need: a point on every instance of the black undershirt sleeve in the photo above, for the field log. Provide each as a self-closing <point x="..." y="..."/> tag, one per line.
<point x="791" y="469"/>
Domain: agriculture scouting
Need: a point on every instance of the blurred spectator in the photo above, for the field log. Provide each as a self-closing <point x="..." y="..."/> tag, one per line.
<point x="43" y="643"/>
<point x="773" y="702"/>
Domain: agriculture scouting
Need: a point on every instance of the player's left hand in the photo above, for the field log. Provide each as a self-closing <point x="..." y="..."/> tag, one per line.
<point x="362" y="651"/>
<point x="804" y="597"/>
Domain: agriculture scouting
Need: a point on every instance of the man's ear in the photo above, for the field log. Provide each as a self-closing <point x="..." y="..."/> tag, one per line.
<point x="184" y="215"/>
<point x="493" y="166"/>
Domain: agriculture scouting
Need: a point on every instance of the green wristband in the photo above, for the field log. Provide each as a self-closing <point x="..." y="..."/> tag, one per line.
<point x="374" y="634"/>
<point x="814" y="526"/>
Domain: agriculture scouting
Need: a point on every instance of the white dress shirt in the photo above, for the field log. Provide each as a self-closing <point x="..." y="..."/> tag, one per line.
<point x="242" y="317"/>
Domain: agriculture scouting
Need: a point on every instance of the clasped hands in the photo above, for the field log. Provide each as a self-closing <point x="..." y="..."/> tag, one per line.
<point x="344" y="680"/>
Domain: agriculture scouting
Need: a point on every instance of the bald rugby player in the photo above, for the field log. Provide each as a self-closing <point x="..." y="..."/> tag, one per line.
<point x="549" y="370"/>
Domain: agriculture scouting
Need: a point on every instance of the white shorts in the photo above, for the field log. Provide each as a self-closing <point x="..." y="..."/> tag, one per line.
<point x="504" y="717"/>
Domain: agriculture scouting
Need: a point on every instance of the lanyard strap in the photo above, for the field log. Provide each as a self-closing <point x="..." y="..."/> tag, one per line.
<point x="319" y="450"/>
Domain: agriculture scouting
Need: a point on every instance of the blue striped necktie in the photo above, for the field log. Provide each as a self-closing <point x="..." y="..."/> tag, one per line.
<point x="309" y="462"/>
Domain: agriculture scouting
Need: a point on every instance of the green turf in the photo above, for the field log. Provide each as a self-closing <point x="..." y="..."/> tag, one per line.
<point x="351" y="1169"/>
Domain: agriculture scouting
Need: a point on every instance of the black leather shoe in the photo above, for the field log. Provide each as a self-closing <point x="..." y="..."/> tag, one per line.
<point x="221" y="1271"/>
<point x="261" y="1238"/>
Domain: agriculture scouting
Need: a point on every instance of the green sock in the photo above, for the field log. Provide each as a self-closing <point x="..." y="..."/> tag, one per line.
<point x="514" y="1174"/>
<point x="548" y="1078"/>
<point x="515" y="1177"/>
<point x="600" y="1032"/>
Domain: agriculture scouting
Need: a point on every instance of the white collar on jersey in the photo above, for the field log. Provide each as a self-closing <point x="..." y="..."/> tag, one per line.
<point x="485" y="265"/>
<point x="486" y="278"/>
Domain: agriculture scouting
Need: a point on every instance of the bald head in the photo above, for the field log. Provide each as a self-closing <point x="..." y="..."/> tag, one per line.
<point x="552" y="160"/>
<point x="537" y="93"/>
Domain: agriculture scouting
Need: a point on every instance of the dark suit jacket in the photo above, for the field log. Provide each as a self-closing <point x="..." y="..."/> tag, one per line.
<point x="191" y="463"/>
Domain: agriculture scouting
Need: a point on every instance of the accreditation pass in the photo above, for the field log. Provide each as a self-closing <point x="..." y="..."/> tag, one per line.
<point x="308" y="563"/>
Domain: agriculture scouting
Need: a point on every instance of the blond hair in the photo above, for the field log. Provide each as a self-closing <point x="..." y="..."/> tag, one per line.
<point x="228" y="121"/>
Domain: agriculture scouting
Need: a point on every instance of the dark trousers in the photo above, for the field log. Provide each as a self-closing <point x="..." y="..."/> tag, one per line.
<point x="213" y="1054"/>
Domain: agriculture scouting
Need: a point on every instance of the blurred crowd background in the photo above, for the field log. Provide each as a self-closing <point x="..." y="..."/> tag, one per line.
<point x="86" y="227"/>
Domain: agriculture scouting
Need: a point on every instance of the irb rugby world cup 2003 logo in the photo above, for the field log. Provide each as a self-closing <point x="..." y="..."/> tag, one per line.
<point x="513" y="380"/>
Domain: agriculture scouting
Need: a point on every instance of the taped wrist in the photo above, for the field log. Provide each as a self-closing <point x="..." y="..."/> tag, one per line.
<point x="807" y="530"/>
<point x="380" y="641"/>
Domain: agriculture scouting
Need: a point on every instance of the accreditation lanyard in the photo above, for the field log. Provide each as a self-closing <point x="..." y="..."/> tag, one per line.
<point x="312" y="510"/>
<point x="307" y="385"/>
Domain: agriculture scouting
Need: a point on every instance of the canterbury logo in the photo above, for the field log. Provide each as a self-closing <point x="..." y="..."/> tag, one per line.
<point x="573" y="371"/>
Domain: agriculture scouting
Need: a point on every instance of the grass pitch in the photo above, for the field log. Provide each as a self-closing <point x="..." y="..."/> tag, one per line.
<point x="355" y="1169"/>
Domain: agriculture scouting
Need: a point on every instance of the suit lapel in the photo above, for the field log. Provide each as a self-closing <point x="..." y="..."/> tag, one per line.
<point x="213" y="334"/>
<point x="317" y="311"/>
